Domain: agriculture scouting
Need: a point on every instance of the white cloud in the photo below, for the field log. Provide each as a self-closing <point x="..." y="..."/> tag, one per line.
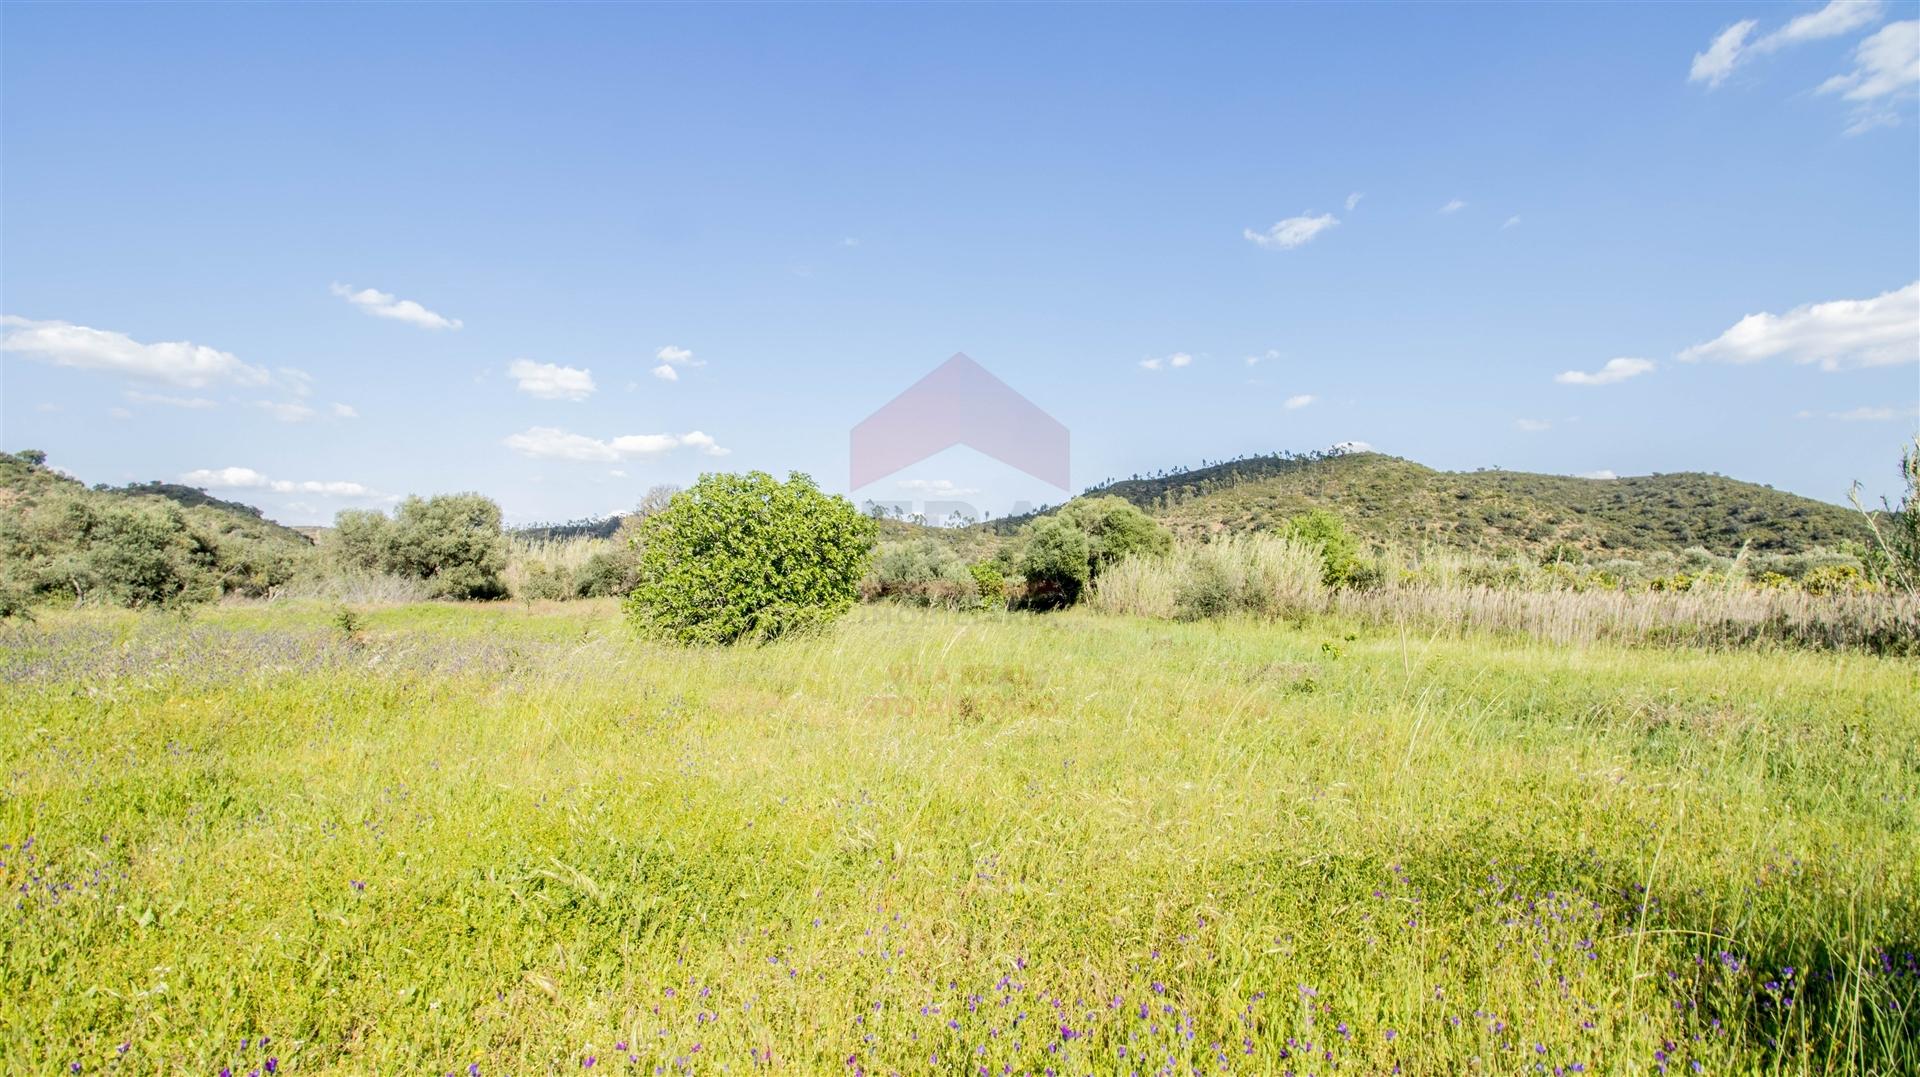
<point x="1532" y="426"/>
<point x="1298" y="401"/>
<point x="936" y="488"/>
<point x="1162" y="362"/>
<point x="1352" y="446"/>
<point x="551" y="381"/>
<point x="384" y="305"/>
<point x="1837" y="18"/>
<point x="1616" y="370"/>
<point x="553" y="443"/>
<point x="1885" y="65"/>
<point x="1882" y="331"/>
<point x="1512" y="222"/>
<point x="330" y="489"/>
<point x="1354" y="200"/>
<point x="1603" y="473"/>
<point x="225" y="478"/>
<point x="286" y="413"/>
<point x="246" y="478"/>
<point x="345" y="411"/>
<point x="1454" y="206"/>
<point x="119" y="413"/>
<point x="1256" y="360"/>
<point x="1714" y="65"/>
<point x="176" y="362"/>
<point x="193" y="402"/>
<point x="671" y="358"/>
<point x="1292" y="232"/>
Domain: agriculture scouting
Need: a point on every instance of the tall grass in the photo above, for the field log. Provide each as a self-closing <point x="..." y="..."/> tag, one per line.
<point x="547" y="567"/>
<point x="515" y="838"/>
<point x="1267" y="576"/>
<point x="1261" y="575"/>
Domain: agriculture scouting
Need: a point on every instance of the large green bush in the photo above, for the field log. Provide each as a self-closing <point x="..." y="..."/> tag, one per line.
<point x="739" y="557"/>
<point x="1115" y="528"/>
<point x="1056" y="563"/>
<point x="1063" y="552"/>
<point x="923" y="572"/>
<point x="1339" y="551"/>
<point x="452" y="542"/>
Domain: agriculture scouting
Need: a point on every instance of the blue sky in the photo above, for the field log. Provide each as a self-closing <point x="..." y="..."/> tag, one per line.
<point x="236" y="238"/>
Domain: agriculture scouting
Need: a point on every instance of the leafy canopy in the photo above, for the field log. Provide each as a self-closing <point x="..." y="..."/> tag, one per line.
<point x="748" y="557"/>
<point x="1065" y="551"/>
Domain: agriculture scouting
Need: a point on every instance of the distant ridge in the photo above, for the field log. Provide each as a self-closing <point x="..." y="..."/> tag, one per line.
<point x="1391" y="500"/>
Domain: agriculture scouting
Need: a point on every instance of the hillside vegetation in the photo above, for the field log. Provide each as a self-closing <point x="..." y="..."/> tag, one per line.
<point x="1389" y="500"/>
<point x="148" y="544"/>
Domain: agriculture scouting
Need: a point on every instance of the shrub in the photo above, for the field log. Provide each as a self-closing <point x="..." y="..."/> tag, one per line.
<point x="748" y="557"/>
<point x="1114" y="529"/>
<point x="451" y="542"/>
<point x="1100" y="531"/>
<point x="1056" y="562"/>
<point x="1339" y="552"/>
<point x="988" y="583"/>
<point x="924" y="572"/>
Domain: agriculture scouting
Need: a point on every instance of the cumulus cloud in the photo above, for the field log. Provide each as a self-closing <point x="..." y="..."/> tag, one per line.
<point x="553" y="443"/>
<point x="1352" y="446"/>
<point x="176" y="362"/>
<point x="1615" y="370"/>
<point x="246" y="478"/>
<point x="672" y="358"/>
<point x="291" y="412"/>
<point x="1532" y="426"/>
<point x="385" y="305"/>
<point x="1298" y="401"/>
<point x="1163" y="362"/>
<point x="1354" y="200"/>
<point x="1292" y="232"/>
<point x="551" y="381"/>
<point x="1270" y="355"/>
<point x="937" y="488"/>
<point x="1841" y="334"/>
<point x="345" y="411"/>
<point x="1454" y="206"/>
<point x="1603" y="473"/>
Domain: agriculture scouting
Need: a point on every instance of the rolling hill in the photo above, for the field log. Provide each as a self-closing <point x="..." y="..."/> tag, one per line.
<point x="1391" y="500"/>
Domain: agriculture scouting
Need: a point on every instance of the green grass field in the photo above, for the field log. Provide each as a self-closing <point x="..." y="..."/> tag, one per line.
<point x="514" y="838"/>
